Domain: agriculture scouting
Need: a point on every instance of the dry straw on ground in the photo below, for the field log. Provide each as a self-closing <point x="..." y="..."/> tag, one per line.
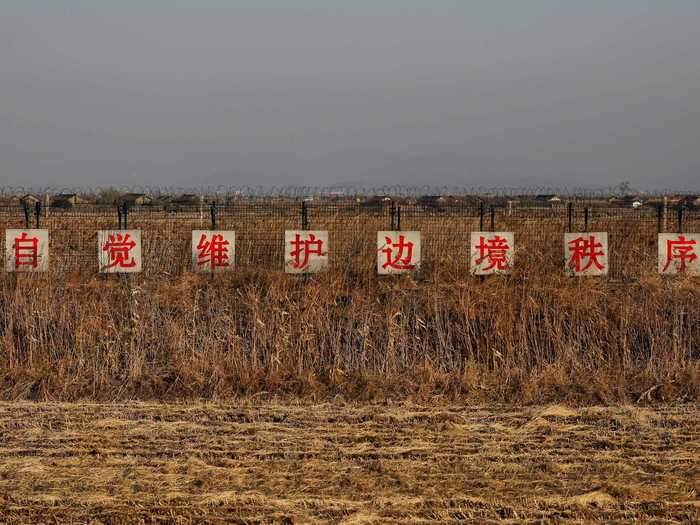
<point x="347" y="464"/>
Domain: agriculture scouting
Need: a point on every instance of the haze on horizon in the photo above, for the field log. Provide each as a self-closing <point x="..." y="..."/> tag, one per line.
<point x="319" y="92"/>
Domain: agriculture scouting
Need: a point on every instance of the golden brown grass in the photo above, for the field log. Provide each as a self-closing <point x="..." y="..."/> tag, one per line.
<point x="267" y="462"/>
<point x="534" y="336"/>
<point x="504" y="339"/>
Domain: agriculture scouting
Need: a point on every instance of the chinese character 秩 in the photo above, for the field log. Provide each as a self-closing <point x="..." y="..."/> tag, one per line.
<point x="587" y="253"/>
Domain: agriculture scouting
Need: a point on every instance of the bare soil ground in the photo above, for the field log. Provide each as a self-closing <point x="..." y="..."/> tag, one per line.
<point x="347" y="463"/>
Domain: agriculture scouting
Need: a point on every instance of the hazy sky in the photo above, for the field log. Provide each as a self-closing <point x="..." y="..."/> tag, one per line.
<point x="569" y="93"/>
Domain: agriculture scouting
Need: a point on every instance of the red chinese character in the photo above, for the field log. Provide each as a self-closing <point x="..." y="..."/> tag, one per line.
<point x="400" y="261"/>
<point x="26" y="251"/>
<point x="118" y="246"/>
<point x="214" y="252"/>
<point x="682" y="250"/>
<point x="495" y="250"/>
<point x="307" y="247"/>
<point x="587" y="250"/>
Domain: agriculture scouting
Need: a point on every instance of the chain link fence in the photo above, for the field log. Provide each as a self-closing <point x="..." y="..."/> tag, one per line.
<point x="445" y="223"/>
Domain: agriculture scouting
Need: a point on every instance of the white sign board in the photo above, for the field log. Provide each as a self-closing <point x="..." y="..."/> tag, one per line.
<point x="398" y="252"/>
<point x="305" y="251"/>
<point x="26" y="250"/>
<point x="586" y="253"/>
<point x="491" y="253"/>
<point x="679" y="253"/>
<point x="213" y="250"/>
<point x="119" y="251"/>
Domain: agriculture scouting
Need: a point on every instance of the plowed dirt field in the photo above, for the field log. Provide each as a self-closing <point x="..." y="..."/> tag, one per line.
<point x="347" y="463"/>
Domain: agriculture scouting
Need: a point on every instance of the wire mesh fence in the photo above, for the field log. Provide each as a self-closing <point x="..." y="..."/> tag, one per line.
<point x="445" y="225"/>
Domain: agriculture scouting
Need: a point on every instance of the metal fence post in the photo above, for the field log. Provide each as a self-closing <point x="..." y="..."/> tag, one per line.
<point x="481" y="216"/>
<point x="201" y="210"/>
<point x="125" y="214"/>
<point x="119" y="215"/>
<point x="585" y="219"/>
<point x="212" y="212"/>
<point x="659" y="218"/>
<point x="304" y="216"/>
<point x="492" y="217"/>
<point x="37" y="212"/>
<point x="570" y="215"/>
<point x="398" y="217"/>
<point x="26" y="214"/>
<point x="680" y="218"/>
<point x="392" y="215"/>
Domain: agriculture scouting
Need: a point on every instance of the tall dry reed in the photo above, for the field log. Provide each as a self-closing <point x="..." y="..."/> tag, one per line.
<point x="531" y="336"/>
<point x="521" y="338"/>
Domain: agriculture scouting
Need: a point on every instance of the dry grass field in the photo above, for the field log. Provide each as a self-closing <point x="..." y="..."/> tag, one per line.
<point x="339" y="462"/>
<point x="514" y="339"/>
<point x="437" y="397"/>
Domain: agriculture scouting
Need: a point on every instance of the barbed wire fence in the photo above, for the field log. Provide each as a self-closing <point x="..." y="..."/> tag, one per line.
<point x="396" y="191"/>
<point x="259" y="216"/>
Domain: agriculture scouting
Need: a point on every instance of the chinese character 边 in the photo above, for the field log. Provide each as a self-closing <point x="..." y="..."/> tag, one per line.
<point x="399" y="252"/>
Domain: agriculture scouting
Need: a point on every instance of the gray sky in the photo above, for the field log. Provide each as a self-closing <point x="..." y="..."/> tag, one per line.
<point x="569" y="93"/>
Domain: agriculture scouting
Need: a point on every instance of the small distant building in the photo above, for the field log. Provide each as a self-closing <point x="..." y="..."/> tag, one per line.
<point x="67" y="200"/>
<point x="373" y="204"/>
<point x="187" y="199"/>
<point x="336" y="195"/>
<point x="432" y="201"/>
<point x="554" y="201"/>
<point x="627" y="200"/>
<point x="30" y="199"/>
<point x="135" y="199"/>
<point x="468" y="200"/>
<point x="548" y="198"/>
<point x="184" y="201"/>
<point x="689" y="201"/>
